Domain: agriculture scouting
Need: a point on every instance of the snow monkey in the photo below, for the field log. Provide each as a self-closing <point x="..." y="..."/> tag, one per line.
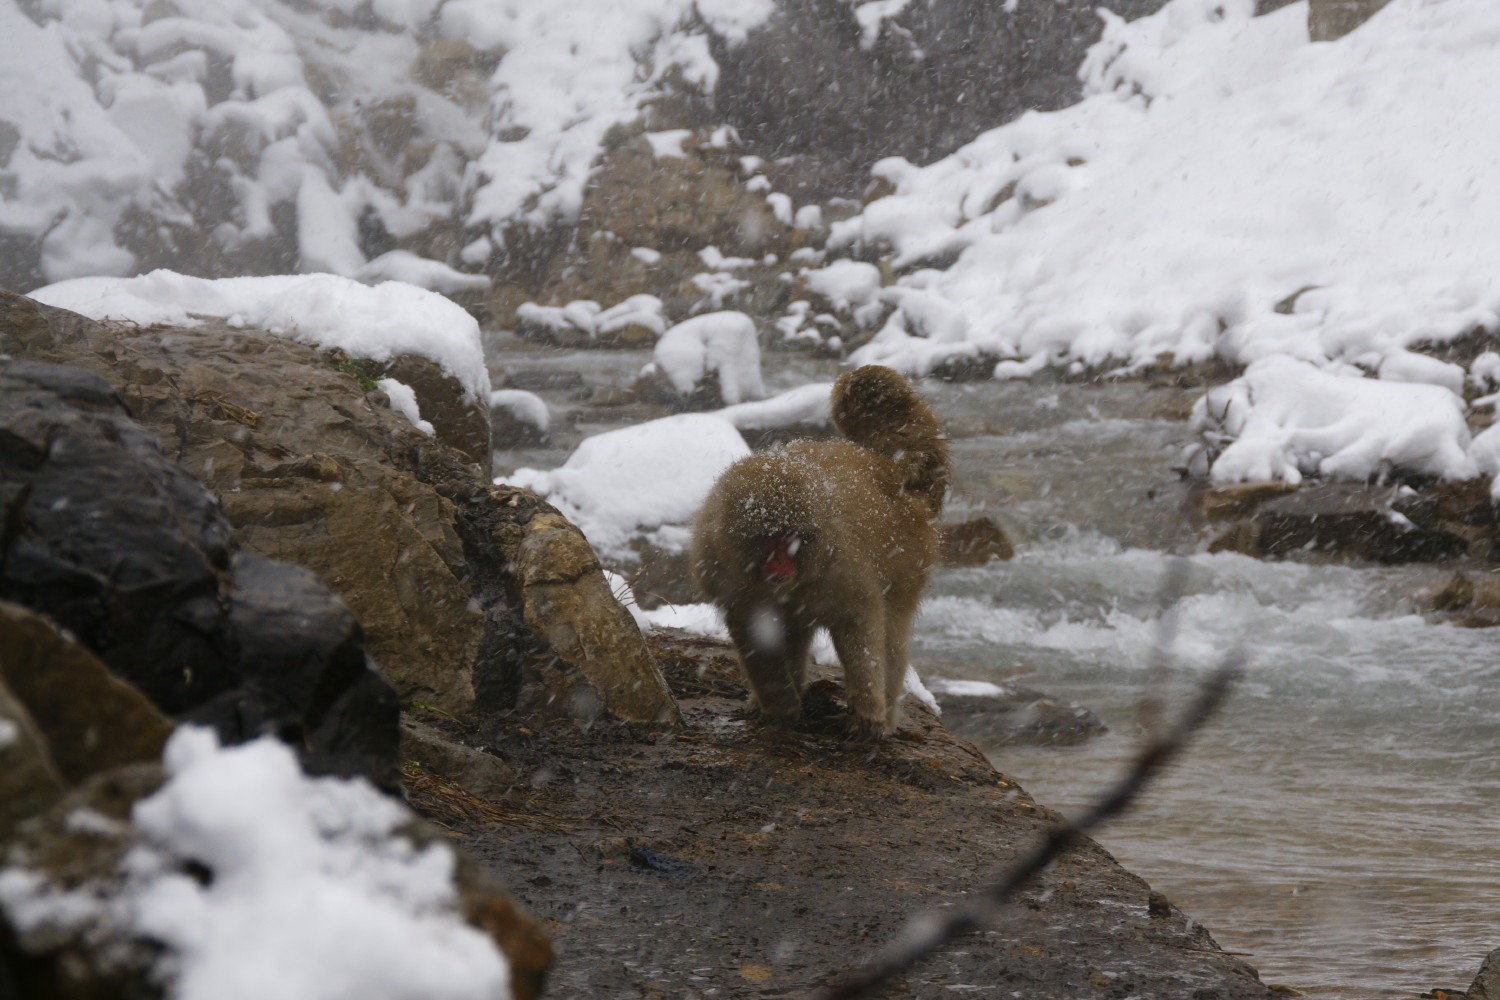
<point x="833" y="534"/>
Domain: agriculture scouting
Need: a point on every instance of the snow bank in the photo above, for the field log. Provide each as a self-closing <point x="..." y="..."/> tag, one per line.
<point x="319" y="309"/>
<point x="621" y="483"/>
<point x="721" y="342"/>
<point x="1286" y="419"/>
<point x="314" y="893"/>
<point x="1225" y="187"/>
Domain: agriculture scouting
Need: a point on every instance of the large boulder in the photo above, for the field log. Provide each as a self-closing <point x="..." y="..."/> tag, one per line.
<point x="313" y="468"/>
<point x="1388" y="524"/>
<point x="117" y="543"/>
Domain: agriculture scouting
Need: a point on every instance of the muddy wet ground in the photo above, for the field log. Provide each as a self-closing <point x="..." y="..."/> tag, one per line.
<point x="728" y="860"/>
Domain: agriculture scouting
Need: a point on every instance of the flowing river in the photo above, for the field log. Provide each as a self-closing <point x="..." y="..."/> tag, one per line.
<point x="1338" y="823"/>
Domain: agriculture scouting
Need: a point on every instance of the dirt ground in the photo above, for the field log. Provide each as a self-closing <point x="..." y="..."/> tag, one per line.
<point x="731" y="860"/>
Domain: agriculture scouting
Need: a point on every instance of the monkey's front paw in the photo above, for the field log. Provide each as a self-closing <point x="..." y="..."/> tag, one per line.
<point x="868" y="730"/>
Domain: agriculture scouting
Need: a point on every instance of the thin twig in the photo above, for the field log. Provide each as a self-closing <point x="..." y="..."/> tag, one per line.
<point x="927" y="933"/>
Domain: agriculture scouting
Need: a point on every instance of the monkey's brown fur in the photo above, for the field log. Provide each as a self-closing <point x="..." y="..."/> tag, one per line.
<point x="861" y="513"/>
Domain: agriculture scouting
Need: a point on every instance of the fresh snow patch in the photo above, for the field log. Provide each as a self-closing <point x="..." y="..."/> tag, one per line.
<point x="913" y="686"/>
<point x="588" y="317"/>
<point x="722" y="342"/>
<point x="623" y="482"/>
<point x="114" y="106"/>
<point x="571" y="70"/>
<point x="314" y="892"/>
<point x="323" y="310"/>
<point x="641" y="310"/>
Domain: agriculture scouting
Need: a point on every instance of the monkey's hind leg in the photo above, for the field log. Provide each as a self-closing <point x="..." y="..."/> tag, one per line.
<point x="899" y="616"/>
<point x="861" y="645"/>
<point x="773" y="649"/>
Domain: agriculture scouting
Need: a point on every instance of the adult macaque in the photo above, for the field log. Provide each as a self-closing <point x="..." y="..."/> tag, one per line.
<point x="833" y="534"/>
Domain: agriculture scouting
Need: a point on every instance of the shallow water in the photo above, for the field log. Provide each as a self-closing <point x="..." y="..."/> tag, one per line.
<point x="1337" y="824"/>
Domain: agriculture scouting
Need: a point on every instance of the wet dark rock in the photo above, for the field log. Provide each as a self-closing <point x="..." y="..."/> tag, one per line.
<point x="1018" y="715"/>
<point x="511" y="429"/>
<point x="803" y="84"/>
<point x="1389" y="524"/>
<point x="1486" y="985"/>
<point x="117" y="543"/>
<point x="1468" y="600"/>
<point x="965" y="368"/>
<point x="483" y="775"/>
<point x="567" y="600"/>
<point x="87" y="960"/>
<point x="1220" y="503"/>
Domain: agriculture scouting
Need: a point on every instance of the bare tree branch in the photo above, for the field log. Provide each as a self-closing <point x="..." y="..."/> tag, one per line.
<point x="927" y="933"/>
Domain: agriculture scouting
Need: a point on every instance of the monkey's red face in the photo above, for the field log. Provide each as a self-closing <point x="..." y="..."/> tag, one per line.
<point x="778" y="557"/>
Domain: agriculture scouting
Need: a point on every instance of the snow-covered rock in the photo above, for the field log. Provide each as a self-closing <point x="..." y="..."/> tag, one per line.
<point x="314" y="887"/>
<point x="519" y="418"/>
<point x="722" y="344"/>
<point x="648" y="478"/>
<point x="1285" y="419"/>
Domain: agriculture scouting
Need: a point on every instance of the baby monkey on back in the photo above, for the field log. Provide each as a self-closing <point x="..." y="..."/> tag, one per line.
<point x="832" y="534"/>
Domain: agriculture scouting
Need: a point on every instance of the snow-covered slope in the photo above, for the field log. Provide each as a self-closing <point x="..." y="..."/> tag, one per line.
<point x="1226" y="187"/>
<point x="248" y="136"/>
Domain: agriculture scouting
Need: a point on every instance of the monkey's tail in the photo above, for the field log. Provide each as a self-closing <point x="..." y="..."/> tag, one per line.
<point x="875" y="407"/>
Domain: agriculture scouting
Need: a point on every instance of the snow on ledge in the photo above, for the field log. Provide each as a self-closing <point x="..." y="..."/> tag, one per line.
<point x="323" y="310"/>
